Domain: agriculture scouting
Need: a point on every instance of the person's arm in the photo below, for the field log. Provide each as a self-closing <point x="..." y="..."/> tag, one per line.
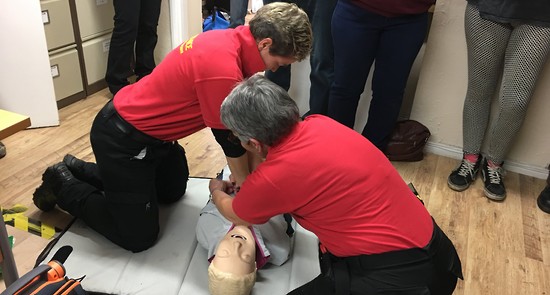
<point x="240" y="161"/>
<point x="219" y="190"/>
<point x="236" y="155"/>
<point x="239" y="168"/>
<point x="253" y="161"/>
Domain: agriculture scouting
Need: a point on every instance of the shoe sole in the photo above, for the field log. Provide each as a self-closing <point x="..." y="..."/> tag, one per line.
<point x="458" y="188"/>
<point x="494" y="197"/>
<point x="489" y="194"/>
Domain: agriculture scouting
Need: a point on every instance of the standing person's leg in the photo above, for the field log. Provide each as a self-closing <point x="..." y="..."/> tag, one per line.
<point x="322" y="56"/>
<point x="399" y="44"/>
<point x="121" y="48"/>
<point x="526" y="54"/>
<point x="146" y="39"/>
<point x="271" y="1"/>
<point x="282" y="76"/>
<point x="237" y="12"/>
<point x="355" y="47"/>
<point x="486" y="43"/>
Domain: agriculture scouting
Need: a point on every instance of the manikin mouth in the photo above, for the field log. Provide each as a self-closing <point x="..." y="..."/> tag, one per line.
<point x="238" y="237"/>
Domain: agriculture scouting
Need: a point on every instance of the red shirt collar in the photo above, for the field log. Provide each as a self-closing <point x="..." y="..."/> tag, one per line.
<point x="252" y="61"/>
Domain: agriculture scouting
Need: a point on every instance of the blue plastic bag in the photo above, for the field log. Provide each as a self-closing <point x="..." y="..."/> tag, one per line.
<point x="215" y="21"/>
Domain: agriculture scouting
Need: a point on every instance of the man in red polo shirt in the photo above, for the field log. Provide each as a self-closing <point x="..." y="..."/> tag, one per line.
<point x="375" y="235"/>
<point x="134" y="137"/>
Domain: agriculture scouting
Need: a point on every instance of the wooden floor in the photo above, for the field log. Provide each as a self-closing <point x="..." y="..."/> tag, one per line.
<point x="504" y="247"/>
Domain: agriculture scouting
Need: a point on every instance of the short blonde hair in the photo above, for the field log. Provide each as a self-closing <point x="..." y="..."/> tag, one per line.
<point x="288" y="27"/>
<point x="224" y="283"/>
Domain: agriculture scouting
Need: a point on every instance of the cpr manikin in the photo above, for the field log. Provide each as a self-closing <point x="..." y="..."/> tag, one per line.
<point x="232" y="271"/>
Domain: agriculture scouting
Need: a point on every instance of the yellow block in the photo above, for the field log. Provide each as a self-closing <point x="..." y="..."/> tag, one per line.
<point x="10" y="123"/>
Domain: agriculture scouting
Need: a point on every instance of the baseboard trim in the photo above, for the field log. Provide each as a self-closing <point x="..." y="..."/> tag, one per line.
<point x="456" y="153"/>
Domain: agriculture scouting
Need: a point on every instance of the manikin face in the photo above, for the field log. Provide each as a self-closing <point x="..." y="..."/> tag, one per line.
<point x="236" y="252"/>
<point x="272" y="62"/>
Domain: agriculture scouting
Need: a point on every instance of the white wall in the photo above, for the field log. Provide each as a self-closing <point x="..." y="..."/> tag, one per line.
<point x="26" y="85"/>
<point x="178" y="21"/>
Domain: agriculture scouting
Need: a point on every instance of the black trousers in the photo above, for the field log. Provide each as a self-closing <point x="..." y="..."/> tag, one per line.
<point x="430" y="270"/>
<point x="135" y="26"/>
<point x="136" y="173"/>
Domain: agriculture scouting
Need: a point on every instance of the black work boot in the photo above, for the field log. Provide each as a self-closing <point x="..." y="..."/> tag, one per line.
<point x="82" y="170"/>
<point x="73" y="163"/>
<point x="44" y="198"/>
<point x="544" y="198"/>
<point x="53" y="179"/>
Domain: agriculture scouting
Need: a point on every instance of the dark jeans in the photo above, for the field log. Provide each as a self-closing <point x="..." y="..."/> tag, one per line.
<point x="360" y="39"/>
<point x="135" y="24"/>
<point x="433" y="269"/>
<point x="137" y="172"/>
<point x="321" y="58"/>
<point x="237" y="12"/>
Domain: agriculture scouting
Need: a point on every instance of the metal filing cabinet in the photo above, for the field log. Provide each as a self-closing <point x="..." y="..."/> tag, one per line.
<point x="58" y="26"/>
<point x="96" y="52"/>
<point x="65" y="64"/>
<point x="78" y="37"/>
<point x="65" y="69"/>
<point x="95" y="17"/>
<point x="95" y="23"/>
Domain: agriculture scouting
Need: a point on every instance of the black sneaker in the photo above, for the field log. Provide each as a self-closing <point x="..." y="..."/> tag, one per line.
<point x="543" y="201"/>
<point x="492" y="178"/>
<point x="461" y="178"/>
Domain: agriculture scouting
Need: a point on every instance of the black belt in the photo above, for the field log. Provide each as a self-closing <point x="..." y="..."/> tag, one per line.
<point x="338" y="267"/>
<point x="109" y="112"/>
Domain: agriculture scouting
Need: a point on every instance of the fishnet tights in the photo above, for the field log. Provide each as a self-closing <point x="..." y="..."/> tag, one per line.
<point x="518" y="53"/>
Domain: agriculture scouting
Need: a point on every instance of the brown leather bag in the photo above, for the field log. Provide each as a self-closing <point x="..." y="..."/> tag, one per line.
<point x="407" y="141"/>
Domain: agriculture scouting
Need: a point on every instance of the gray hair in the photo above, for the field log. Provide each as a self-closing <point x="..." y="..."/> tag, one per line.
<point x="258" y="108"/>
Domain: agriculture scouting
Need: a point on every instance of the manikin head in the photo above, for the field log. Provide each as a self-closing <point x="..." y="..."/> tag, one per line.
<point x="233" y="269"/>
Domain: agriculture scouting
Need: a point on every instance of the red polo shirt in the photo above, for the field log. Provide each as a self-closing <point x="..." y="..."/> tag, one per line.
<point x="184" y="92"/>
<point x="339" y="186"/>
